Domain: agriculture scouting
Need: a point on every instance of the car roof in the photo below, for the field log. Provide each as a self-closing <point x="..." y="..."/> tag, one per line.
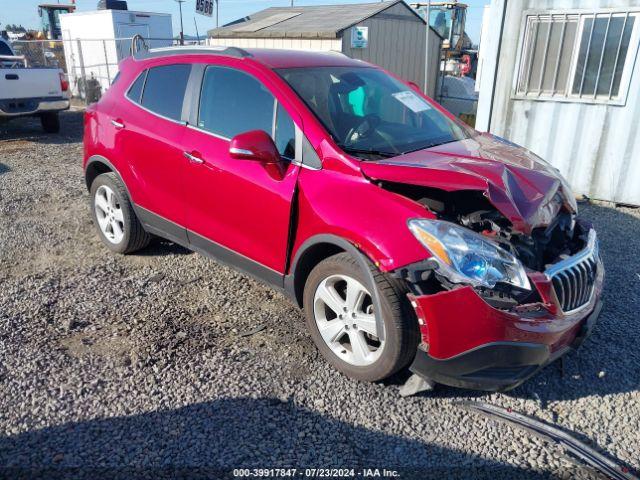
<point x="275" y="58"/>
<point x="270" y="58"/>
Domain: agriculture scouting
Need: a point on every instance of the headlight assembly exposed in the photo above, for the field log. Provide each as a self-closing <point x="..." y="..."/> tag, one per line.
<point x="464" y="256"/>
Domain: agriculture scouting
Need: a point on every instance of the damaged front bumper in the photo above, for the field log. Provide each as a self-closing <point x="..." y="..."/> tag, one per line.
<point x="500" y="365"/>
<point x="468" y="343"/>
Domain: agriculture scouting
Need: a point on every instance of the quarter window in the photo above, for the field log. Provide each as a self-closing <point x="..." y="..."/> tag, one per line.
<point x="135" y="91"/>
<point x="164" y="90"/>
<point x="577" y="56"/>
<point x="285" y="134"/>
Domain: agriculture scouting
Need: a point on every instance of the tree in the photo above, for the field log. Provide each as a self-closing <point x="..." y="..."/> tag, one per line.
<point x="15" y="28"/>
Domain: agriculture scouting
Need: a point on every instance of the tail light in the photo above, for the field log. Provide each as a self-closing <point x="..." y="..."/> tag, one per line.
<point x="64" y="83"/>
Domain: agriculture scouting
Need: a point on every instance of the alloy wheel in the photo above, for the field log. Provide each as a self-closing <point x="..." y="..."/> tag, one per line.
<point x="109" y="214"/>
<point x="343" y="311"/>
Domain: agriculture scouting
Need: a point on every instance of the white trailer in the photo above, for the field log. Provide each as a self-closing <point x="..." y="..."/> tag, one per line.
<point x="96" y="42"/>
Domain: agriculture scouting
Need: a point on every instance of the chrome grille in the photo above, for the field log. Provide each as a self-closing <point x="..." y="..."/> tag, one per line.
<point x="574" y="278"/>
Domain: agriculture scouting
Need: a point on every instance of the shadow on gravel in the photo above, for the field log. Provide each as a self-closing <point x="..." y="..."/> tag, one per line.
<point x="223" y="435"/>
<point x="609" y="361"/>
<point x="4" y="168"/>
<point x="160" y="247"/>
<point x="29" y="129"/>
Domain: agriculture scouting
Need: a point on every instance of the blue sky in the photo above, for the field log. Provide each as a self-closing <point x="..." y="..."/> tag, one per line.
<point x="26" y="11"/>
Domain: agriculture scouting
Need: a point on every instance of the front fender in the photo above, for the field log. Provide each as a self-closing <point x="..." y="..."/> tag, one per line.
<point x="343" y="244"/>
<point x="348" y="206"/>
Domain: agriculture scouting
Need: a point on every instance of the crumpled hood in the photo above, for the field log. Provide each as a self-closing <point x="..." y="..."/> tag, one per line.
<point x="518" y="183"/>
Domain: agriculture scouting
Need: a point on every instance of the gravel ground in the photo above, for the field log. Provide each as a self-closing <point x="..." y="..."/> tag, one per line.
<point x="137" y="364"/>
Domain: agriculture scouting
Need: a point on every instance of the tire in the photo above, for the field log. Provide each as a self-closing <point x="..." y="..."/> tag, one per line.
<point x="50" y="122"/>
<point x="124" y="233"/>
<point x="400" y="323"/>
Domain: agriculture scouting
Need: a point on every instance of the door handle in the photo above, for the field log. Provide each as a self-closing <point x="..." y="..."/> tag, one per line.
<point x="193" y="158"/>
<point x="117" y="124"/>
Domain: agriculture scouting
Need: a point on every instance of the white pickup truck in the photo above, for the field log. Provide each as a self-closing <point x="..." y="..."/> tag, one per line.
<point x="31" y="92"/>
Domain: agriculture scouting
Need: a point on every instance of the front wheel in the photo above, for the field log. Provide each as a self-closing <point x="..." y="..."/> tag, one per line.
<point x="340" y="315"/>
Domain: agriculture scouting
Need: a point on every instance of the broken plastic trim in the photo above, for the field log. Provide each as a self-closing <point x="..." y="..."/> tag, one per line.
<point x="423" y="278"/>
<point x="550" y="433"/>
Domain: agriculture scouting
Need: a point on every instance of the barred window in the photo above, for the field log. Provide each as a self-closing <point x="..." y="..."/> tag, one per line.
<point x="577" y="56"/>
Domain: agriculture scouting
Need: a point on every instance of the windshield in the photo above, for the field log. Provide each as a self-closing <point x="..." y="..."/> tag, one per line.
<point x="440" y="20"/>
<point x="369" y="113"/>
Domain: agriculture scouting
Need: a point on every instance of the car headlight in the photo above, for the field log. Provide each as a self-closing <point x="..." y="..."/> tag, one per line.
<point x="465" y="256"/>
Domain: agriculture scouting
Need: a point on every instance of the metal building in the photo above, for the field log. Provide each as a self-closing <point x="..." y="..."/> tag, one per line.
<point x="390" y="34"/>
<point x="561" y="78"/>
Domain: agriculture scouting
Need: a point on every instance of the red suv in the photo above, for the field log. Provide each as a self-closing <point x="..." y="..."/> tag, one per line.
<point x="407" y="237"/>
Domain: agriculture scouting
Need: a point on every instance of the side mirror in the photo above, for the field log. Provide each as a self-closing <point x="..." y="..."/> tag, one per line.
<point x="254" y="145"/>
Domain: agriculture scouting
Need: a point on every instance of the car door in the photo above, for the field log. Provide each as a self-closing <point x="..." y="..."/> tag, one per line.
<point x="149" y="142"/>
<point x="240" y="209"/>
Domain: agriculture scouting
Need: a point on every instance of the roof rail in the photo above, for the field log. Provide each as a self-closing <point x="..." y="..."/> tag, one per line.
<point x="142" y="54"/>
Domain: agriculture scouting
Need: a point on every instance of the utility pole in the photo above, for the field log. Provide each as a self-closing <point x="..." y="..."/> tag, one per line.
<point x="426" y="46"/>
<point x="180" y="2"/>
<point x="217" y="2"/>
<point x="197" y="34"/>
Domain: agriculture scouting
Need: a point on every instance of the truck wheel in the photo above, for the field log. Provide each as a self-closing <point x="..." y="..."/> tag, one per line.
<point x="50" y="122"/>
<point x="116" y="221"/>
<point x="341" y="319"/>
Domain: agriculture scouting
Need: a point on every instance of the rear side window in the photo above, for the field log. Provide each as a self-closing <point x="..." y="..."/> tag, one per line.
<point x="164" y="90"/>
<point x="234" y="102"/>
<point x="135" y="91"/>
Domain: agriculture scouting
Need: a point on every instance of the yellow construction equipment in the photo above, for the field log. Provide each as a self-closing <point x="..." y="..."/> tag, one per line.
<point x="50" y="20"/>
<point x="448" y="19"/>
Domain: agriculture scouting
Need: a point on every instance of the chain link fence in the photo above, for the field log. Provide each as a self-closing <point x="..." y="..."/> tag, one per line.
<point x="90" y="64"/>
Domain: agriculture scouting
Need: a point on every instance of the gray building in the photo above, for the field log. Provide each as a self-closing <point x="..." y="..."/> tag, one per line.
<point x="561" y="77"/>
<point x="390" y="34"/>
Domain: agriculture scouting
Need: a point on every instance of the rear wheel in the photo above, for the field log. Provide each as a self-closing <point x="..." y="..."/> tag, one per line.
<point x="340" y="315"/>
<point x="50" y="122"/>
<point x="116" y="221"/>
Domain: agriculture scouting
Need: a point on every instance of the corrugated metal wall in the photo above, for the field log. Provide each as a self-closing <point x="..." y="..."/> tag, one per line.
<point x="396" y="43"/>
<point x="596" y="146"/>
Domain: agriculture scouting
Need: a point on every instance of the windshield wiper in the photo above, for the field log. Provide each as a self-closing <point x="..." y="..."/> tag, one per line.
<point x="379" y="153"/>
<point x="429" y="145"/>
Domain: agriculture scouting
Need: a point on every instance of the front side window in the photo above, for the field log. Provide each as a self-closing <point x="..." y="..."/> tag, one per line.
<point x="576" y="56"/>
<point x="234" y="102"/>
<point x="164" y="90"/>
<point x="369" y="113"/>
